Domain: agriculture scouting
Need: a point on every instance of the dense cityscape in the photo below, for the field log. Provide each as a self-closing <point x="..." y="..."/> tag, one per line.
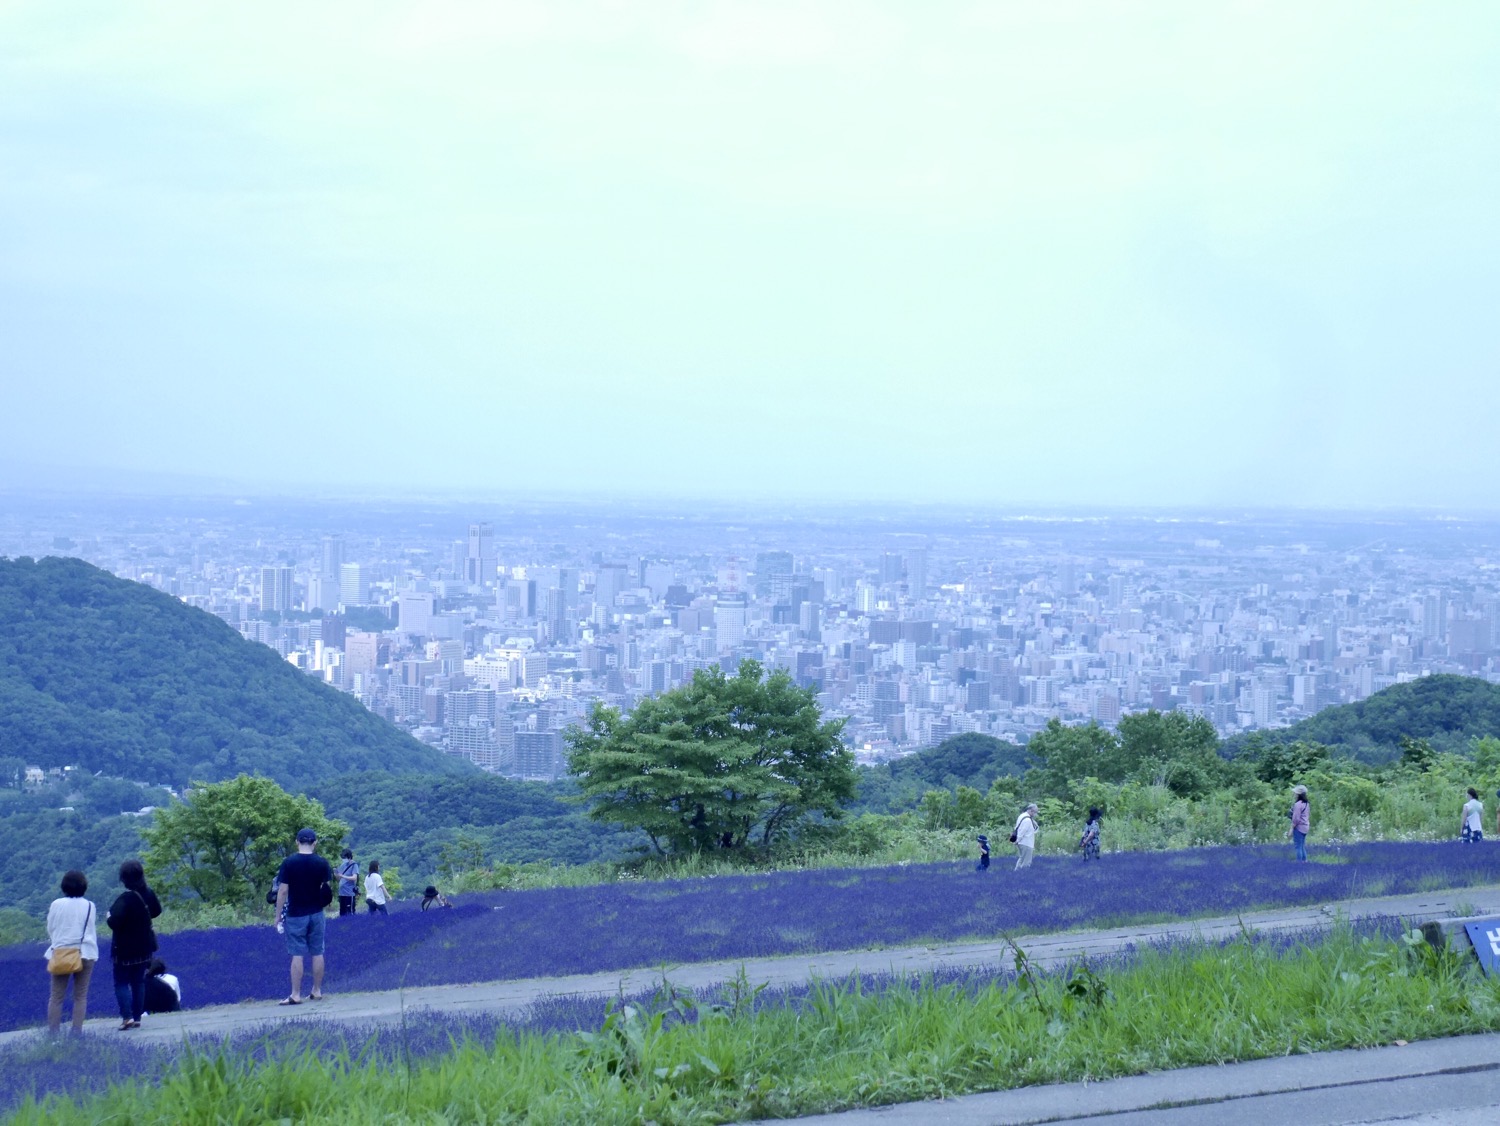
<point x="488" y="637"/>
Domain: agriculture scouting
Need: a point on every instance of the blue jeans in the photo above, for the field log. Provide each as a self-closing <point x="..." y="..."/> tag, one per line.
<point x="130" y="990"/>
<point x="1300" y="840"/>
<point x="376" y="908"/>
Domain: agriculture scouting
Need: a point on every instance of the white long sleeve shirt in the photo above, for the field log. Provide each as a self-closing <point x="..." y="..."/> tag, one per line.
<point x="72" y="921"/>
<point x="1025" y="831"/>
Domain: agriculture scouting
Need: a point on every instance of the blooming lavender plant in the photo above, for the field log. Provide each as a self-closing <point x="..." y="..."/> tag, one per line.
<point x="37" y="1068"/>
<point x="543" y="933"/>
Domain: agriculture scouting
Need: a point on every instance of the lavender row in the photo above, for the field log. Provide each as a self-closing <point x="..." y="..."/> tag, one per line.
<point x="544" y="933"/>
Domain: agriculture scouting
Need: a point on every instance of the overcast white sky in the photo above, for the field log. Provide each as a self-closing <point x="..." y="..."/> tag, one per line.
<point x="1021" y="253"/>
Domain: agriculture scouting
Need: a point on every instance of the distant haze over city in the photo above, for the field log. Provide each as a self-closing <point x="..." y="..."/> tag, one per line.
<point x="488" y="630"/>
<point x="1021" y="255"/>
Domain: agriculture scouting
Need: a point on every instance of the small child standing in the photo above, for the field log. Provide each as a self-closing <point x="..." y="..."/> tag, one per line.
<point x="984" y="854"/>
<point x="1089" y="843"/>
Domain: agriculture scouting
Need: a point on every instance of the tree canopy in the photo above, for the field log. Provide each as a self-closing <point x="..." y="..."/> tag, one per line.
<point x="225" y="841"/>
<point x="720" y="761"/>
<point x="118" y="678"/>
<point x="1168" y="748"/>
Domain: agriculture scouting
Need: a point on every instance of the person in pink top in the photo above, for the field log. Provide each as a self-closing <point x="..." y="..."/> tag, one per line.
<point x="1301" y="821"/>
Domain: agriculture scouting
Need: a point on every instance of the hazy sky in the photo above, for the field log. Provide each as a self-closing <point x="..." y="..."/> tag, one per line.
<point x="1001" y="252"/>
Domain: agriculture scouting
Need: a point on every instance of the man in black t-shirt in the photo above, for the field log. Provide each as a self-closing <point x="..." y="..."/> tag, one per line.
<point x="302" y="889"/>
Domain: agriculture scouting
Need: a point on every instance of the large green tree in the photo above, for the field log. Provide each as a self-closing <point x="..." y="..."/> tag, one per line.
<point x="722" y="760"/>
<point x="225" y="841"/>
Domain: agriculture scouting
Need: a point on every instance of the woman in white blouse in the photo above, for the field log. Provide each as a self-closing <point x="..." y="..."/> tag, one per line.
<point x="375" y="895"/>
<point x="71" y="923"/>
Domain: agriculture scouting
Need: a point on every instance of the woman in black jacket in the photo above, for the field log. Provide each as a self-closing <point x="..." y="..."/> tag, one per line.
<point x="135" y="941"/>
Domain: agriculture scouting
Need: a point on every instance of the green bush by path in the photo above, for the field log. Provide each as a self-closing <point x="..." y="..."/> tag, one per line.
<point x="845" y="1047"/>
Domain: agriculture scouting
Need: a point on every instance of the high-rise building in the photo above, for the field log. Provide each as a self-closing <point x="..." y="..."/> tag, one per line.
<point x="916" y="573"/>
<point x="416" y="612"/>
<point x="609" y="581"/>
<point x="333" y="556"/>
<point x="892" y="568"/>
<point x="538" y="755"/>
<point x="769" y="567"/>
<point x="361" y="652"/>
<point x="729" y="622"/>
<point x="479" y="563"/>
<point x="354" y="586"/>
<point x="559" y="622"/>
<point x="276" y="589"/>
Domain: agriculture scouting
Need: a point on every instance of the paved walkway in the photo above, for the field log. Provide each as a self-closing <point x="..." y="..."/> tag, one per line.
<point x="512" y="997"/>
<point x="1455" y="1081"/>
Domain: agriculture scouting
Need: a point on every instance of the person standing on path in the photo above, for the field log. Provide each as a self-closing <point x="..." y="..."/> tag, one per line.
<point x="303" y="890"/>
<point x="72" y="924"/>
<point x="1301" y="821"/>
<point x="348" y="883"/>
<point x="1025" y="836"/>
<point x="134" y="942"/>
<point x="1471" y="824"/>
<point x="375" y="897"/>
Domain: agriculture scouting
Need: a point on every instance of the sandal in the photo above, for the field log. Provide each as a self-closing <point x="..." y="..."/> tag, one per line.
<point x="315" y="997"/>
<point x="289" y="1001"/>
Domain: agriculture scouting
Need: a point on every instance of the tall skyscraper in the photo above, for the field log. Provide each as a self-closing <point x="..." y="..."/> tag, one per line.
<point x="479" y="564"/>
<point x="333" y="556"/>
<point x="323" y="588"/>
<point x="276" y="589"/>
<point x="354" y="587"/>
<point x="729" y="622"/>
<point x="769" y="567"/>
<point x="916" y="573"/>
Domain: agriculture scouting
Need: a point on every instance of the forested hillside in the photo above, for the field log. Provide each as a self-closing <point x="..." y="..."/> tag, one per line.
<point x="1447" y="711"/>
<point x="118" y="678"/>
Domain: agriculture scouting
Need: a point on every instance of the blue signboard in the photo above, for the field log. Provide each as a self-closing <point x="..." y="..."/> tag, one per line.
<point x="1485" y="935"/>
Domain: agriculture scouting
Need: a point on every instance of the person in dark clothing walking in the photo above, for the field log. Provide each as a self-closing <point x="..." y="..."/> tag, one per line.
<point x="348" y="874"/>
<point x="984" y="854"/>
<point x="134" y="941"/>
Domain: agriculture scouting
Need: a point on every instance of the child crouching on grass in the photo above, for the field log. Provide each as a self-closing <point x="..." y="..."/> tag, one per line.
<point x="1089" y="843"/>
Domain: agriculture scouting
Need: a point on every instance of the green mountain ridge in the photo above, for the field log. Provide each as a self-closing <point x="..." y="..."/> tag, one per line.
<point x="1447" y="710"/>
<point x="116" y="677"/>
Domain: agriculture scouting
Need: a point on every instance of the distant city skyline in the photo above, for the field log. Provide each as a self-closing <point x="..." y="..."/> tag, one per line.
<point x="1072" y="254"/>
<point x="489" y="632"/>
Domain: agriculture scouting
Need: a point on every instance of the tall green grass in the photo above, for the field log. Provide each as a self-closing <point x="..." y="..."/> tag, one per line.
<point x="847" y="1047"/>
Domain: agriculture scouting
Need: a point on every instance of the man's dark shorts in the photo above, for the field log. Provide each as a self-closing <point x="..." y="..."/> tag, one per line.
<point x="304" y="933"/>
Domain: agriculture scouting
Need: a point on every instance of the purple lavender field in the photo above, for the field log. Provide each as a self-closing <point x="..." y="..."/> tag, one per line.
<point x="39" y="1067"/>
<point x="503" y="935"/>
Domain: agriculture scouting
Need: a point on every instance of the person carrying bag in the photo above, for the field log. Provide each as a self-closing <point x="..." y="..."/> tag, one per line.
<point x="68" y="960"/>
<point x="73" y="948"/>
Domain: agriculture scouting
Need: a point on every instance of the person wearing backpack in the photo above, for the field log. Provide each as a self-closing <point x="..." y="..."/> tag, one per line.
<point x="134" y="942"/>
<point x="303" y="889"/>
<point x="348" y="882"/>
<point x="73" y="948"/>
